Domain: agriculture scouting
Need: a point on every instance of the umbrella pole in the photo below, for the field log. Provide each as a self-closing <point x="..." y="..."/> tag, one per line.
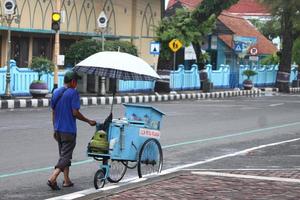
<point x="114" y="93"/>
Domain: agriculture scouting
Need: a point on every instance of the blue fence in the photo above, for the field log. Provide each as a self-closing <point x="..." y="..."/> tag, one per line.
<point x="222" y="78"/>
<point x="136" y="86"/>
<point x="21" y="78"/>
<point x="189" y="79"/>
<point x="266" y="74"/>
<point x="180" y="79"/>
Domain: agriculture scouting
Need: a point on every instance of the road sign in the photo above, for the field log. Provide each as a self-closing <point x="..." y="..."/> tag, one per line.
<point x="254" y="58"/>
<point x="175" y="45"/>
<point x="189" y="53"/>
<point x="154" y="48"/>
<point x="102" y="20"/>
<point x="238" y="46"/>
<point x="253" y="51"/>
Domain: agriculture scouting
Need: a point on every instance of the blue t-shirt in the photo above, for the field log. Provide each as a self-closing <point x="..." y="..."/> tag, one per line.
<point x="64" y="121"/>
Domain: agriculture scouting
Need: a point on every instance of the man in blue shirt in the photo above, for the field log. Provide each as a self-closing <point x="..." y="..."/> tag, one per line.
<point x="65" y="104"/>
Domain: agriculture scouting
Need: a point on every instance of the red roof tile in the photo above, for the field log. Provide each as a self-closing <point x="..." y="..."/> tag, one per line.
<point x="187" y="3"/>
<point x="249" y="7"/>
<point x="242" y="27"/>
<point x="243" y="7"/>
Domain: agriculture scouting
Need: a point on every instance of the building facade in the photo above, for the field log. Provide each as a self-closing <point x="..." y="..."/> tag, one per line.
<point x="129" y="20"/>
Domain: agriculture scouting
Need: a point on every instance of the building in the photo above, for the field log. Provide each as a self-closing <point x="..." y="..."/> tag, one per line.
<point x="235" y="40"/>
<point x="130" y="20"/>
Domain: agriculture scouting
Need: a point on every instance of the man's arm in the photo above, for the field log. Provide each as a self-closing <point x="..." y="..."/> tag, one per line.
<point x="53" y="117"/>
<point x="78" y="115"/>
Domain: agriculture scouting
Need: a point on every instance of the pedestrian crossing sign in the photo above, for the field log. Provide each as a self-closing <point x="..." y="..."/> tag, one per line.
<point x="238" y="47"/>
<point x="154" y="48"/>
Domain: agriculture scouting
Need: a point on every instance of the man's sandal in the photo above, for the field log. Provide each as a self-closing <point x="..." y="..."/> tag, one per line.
<point x="53" y="186"/>
<point x="69" y="185"/>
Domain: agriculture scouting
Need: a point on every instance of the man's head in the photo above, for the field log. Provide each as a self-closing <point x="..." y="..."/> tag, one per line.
<point x="71" y="78"/>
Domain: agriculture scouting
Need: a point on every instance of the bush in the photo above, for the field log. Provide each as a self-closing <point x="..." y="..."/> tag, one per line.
<point x="84" y="48"/>
<point x="249" y="73"/>
<point x="41" y="65"/>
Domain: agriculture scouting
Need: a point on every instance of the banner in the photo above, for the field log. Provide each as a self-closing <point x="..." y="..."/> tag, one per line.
<point x="242" y="43"/>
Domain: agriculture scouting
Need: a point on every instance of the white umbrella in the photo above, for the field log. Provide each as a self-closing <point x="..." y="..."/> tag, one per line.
<point x="119" y="65"/>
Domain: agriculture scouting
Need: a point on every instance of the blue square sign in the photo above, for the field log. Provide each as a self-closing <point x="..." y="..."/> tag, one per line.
<point x="154" y="48"/>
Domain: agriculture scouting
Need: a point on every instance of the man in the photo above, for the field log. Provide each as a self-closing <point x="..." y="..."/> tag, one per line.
<point x="65" y="104"/>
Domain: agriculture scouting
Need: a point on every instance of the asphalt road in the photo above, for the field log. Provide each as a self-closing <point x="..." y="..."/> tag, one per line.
<point x="191" y="131"/>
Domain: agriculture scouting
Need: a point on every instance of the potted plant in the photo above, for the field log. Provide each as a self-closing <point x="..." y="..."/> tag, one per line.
<point x="247" y="83"/>
<point x="41" y="65"/>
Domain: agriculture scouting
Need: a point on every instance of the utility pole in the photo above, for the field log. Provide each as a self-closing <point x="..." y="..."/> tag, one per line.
<point x="56" y="49"/>
<point x="9" y="16"/>
<point x="102" y="26"/>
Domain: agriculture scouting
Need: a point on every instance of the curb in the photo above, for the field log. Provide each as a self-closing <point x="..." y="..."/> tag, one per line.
<point x="294" y="89"/>
<point x="86" y="101"/>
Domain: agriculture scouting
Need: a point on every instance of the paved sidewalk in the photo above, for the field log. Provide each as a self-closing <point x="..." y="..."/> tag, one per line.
<point x="240" y="183"/>
<point x="198" y="184"/>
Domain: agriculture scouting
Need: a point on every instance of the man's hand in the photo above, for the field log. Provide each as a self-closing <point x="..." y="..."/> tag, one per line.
<point x="92" y="122"/>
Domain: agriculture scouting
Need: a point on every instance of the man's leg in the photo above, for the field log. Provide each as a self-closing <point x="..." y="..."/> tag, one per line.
<point x="67" y="180"/>
<point x="52" y="179"/>
<point x="69" y="142"/>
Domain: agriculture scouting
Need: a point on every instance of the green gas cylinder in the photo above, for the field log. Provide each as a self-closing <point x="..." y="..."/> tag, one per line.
<point x="99" y="143"/>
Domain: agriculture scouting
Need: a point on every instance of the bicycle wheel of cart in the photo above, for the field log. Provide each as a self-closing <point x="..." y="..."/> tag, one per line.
<point x="117" y="171"/>
<point x="99" y="179"/>
<point x="150" y="158"/>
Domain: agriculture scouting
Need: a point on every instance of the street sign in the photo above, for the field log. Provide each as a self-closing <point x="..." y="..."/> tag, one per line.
<point x="253" y="51"/>
<point x="254" y="58"/>
<point x="154" y="48"/>
<point x="189" y="53"/>
<point x="102" y="20"/>
<point x="175" y="45"/>
<point x="238" y="46"/>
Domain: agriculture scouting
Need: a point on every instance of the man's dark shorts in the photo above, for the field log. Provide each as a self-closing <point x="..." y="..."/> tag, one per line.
<point x="66" y="144"/>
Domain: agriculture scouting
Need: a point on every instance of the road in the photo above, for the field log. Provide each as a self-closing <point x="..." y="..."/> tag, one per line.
<point x="191" y="131"/>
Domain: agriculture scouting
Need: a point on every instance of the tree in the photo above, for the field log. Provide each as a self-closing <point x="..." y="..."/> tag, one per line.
<point x="41" y="65"/>
<point x="182" y="27"/>
<point x="84" y="48"/>
<point x="203" y="14"/>
<point x="191" y="27"/>
<point x="270" y="29"/>
<point x="287" y="12"/>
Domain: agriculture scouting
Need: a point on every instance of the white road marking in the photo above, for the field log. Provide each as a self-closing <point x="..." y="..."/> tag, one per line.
<point x="266" y="178"/>
<point x="175" y="169"/>
<point x="276" y="104"/>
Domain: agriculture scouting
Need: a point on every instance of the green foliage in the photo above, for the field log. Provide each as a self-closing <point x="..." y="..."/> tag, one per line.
<point x="270" y="60"/>
<point x="270" y="29"/>
<point x="296" y="52"/>
<point x="249" y="73"/>
<point x="204" y="57"/>
<point x="41" y="65"/>
<point x="207" y="8"/>
<point x="190" y="27"/>
<point x="84" y="48"/>
<point x="182" y="27"/>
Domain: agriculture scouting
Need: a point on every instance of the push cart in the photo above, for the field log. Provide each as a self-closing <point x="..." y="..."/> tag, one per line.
<point x="133" y="142"/>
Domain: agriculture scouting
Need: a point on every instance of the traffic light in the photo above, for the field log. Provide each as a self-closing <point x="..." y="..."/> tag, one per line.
<point x="56" y="21"/>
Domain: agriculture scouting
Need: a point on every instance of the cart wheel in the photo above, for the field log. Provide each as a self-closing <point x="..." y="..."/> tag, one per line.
<point x="99" y="179"/>
<point x="130" y="164"/>
<point x="117" y="171"/>
<point x="150" y="158"/>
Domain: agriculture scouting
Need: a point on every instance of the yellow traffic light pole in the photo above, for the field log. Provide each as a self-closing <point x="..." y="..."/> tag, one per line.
<point x="56" y="49"/>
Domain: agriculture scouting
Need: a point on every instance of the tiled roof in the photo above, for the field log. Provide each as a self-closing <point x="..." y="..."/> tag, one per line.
<point x="243" y="7"/>
<point x="249" y="7"/>
<point x="241" y="27"/>
<point x="187" y="3"/>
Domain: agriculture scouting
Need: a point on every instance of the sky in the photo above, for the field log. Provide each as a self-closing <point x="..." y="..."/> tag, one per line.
<point x="166" y="3"/>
